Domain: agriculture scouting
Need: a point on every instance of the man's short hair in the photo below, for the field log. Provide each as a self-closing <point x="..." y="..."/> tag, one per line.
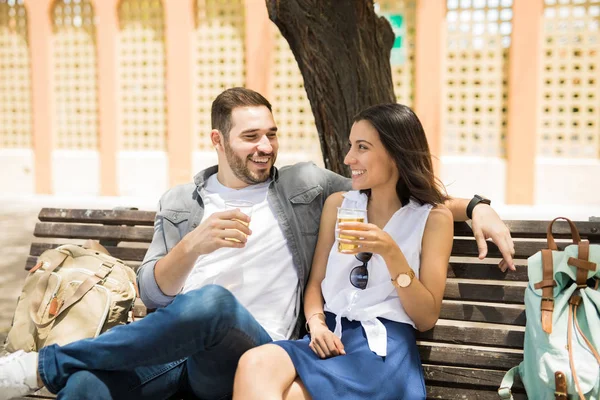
<point x="223" y="105"/>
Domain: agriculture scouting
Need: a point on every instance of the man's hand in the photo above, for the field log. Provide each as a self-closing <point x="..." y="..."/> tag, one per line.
<point x="221" y="229"/>
<point x="488" y="225"/>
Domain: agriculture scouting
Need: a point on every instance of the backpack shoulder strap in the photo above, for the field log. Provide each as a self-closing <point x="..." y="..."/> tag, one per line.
<point x="504" y="391"/>
<point x="546" y="284"/>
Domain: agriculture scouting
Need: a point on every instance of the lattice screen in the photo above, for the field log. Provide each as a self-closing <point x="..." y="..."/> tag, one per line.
<point x="291" y="107"/>
<point x="403" y="73"/>
<point x="475" y="87"/>
<point x="570" y="91"/>
<point x="142" y="95"/>
<point x="74" y="80"/>
<point x="15" y="82"/>
<point x="219" y="59"/>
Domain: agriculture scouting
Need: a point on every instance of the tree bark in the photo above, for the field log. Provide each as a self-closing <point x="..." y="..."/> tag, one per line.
<point x="343" y="50"/>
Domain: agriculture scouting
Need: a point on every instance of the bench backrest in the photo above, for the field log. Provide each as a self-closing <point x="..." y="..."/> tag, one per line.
<point x="481" y="328"/>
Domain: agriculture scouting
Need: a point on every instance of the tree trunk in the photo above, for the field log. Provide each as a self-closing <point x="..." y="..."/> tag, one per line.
<point x="343" y="50"/>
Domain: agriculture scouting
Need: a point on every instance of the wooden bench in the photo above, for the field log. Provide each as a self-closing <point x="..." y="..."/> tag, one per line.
<point x="481" y="330"/>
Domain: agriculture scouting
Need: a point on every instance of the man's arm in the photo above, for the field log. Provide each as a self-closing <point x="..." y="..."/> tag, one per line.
<point x="150" y="293"/>
<point x="486" y="224"/>
<point x="163" y="273"/>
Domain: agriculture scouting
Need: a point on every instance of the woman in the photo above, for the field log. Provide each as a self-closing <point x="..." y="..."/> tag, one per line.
<point x="362" y="305"/>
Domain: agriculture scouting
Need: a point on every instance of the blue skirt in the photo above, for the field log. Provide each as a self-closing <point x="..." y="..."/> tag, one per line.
<point x="361" y="374"/>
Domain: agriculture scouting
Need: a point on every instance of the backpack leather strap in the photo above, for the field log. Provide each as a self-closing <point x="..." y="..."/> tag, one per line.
<point x="582" y="264"/>
<point x="547" y="283"/>
<point x="585" y="338"/>
<point x="573" y="303"/>
<point x="560" y="385"/>
<point x="574" y="233"/>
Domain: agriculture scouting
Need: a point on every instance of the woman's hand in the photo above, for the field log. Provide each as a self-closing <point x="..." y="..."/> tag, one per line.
<point x="367" y="238"/>
<point x="325" y="343"/>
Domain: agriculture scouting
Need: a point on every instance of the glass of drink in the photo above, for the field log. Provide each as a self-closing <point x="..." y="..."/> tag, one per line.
<point x="244" y="206"/>
<point x="349" y="215"/>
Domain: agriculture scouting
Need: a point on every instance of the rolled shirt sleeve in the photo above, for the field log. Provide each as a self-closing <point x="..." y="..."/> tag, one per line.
<point x="150" y="293"/>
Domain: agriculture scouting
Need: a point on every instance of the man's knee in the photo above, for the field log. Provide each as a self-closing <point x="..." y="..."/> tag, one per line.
<point x="209" y="303"/>
<point x="85" y="385"/>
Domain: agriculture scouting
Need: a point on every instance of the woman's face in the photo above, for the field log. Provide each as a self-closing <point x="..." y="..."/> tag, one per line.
<point x="368" y="159"/>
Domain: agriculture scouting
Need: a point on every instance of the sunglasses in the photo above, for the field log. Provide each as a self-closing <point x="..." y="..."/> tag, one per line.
<point x="359" y="276"/>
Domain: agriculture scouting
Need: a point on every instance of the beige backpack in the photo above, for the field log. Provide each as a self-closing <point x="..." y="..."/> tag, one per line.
<point x="72" y="293"/>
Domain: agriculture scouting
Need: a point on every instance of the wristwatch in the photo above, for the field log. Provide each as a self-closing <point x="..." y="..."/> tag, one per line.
<point x="477" y="199"/>
<point x="404" y="279"/>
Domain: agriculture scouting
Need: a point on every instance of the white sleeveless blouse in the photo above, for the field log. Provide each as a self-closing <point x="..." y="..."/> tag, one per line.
<point x="379" y="298"/>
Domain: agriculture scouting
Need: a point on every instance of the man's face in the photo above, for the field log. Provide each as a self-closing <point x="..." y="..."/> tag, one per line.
<point x="252" y="146"/>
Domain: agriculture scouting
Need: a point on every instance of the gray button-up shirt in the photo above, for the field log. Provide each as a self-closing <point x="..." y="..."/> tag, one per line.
<point x="296" y="196"/>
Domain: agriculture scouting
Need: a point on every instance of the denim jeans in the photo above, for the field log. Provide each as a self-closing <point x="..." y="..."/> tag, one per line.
<point x="191" y="346"/>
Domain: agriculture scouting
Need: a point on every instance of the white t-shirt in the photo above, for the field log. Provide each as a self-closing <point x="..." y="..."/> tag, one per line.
<point x="261" y="275"/>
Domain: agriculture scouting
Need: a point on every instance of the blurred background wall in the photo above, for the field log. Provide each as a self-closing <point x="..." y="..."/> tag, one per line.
<point x="112" y="97"/>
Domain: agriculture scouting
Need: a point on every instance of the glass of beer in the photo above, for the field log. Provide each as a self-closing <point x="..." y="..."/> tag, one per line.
<point x="244" y="206"/>
<point x="349" y="215"/>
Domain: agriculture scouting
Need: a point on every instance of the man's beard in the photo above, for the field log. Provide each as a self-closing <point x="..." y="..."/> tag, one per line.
<point x="241" y="171"/>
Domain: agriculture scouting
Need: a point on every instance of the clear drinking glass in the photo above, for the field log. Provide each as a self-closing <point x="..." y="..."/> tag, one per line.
<point x="349" y="215"/>
<point x="244" y="206"/>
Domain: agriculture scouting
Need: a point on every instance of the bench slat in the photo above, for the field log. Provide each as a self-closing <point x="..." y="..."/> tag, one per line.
<point x="106" y="217"/>
<point x="98" y="232"/>
<point x="560" y="229"/>
<point x="537" y="229"/>
<point x="468" y="357"/>
<point x="483" y="313"/>
<point x="449" y="393"/>
<point x="122" y="253"/>
<point x="469" y="377"/>
<point x="478" y="336"/>
<point x="485" y="293"/>
<point x="466" y="270"/>
<point x="523" y="250"/>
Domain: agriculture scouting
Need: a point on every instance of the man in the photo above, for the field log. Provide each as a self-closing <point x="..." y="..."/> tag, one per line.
<point x="220" y="286"/>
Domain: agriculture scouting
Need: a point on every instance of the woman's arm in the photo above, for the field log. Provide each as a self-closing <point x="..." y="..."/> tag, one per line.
<point x="422" y="299"/>
<point x="327" y="343"/>
<point x="486" y="225"/>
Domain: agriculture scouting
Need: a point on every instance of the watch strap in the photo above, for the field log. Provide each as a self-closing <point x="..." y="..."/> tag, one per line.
<point x="477" y="199"/>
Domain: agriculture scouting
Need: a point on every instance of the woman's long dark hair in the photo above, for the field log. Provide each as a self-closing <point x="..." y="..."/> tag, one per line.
<point x="403" y="137"/>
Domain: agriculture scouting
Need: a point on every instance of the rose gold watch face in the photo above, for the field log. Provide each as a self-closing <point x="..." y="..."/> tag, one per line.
<point x="403" y="280"/>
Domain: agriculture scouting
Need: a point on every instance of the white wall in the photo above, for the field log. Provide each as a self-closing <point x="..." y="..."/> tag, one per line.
<point x="202" y="160"/>
<point x="17" y="171"/>
<point x="466" y="176"/>
<point x="568" y="182"/>
<point x="142" y="173"/>
<point x="289" y="158"/>
<point x="76" y="172"/>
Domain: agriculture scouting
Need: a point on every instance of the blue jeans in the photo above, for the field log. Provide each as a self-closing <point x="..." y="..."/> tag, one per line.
<point x="191" y="346"/>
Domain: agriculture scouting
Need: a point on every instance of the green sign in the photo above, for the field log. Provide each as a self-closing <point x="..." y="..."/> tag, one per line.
<point x="398" y="54"/>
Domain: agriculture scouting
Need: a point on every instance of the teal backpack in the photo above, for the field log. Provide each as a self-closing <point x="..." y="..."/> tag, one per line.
<point x="562" y="305"/>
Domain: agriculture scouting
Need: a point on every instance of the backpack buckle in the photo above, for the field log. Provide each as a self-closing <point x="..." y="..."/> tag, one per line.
<point x="504" y="392"/>
<point x="549" y="305"/>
